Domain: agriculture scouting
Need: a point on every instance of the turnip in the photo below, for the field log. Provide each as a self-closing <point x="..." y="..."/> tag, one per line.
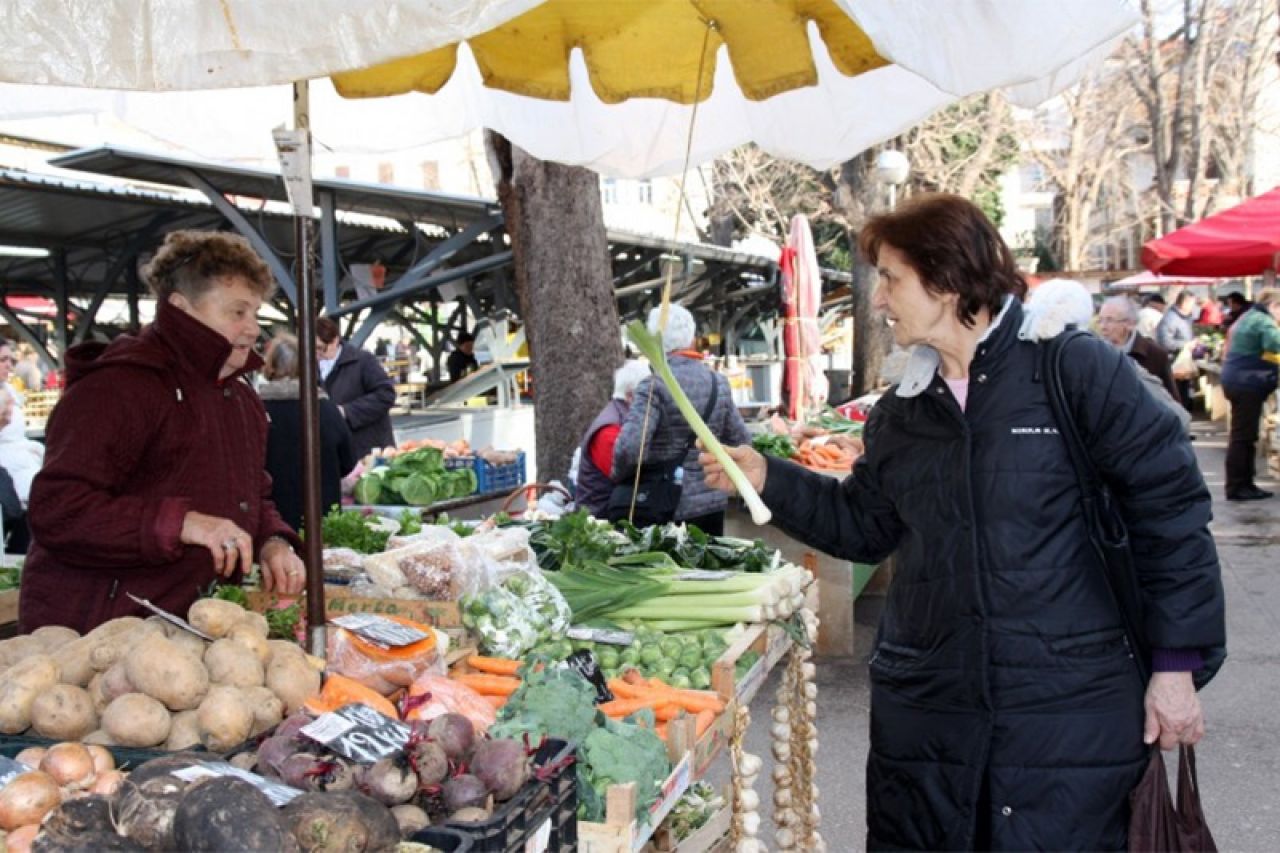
<point x="144" y="812"/>
<point x="244" y="760"/>
<point x="347" y="820"/>
<point x="502" y="765"/>
<point x="454" y="733"/>
<point x="471" y="814"/>
<point x="390" y="780"/>
<point x="27" y="799"/>
<point x="228" y="814"/>
<point x="464" y="791"/>
<point x="429" y="761"/>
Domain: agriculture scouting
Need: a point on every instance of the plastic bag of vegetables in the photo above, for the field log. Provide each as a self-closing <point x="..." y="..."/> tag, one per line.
<point x="515" y="614"/>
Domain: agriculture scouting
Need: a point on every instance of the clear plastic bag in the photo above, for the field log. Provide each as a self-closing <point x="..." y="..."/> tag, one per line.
<point x="382" y="669"/>
<point x="343" y="564"/>
<point x="517" y="613"/>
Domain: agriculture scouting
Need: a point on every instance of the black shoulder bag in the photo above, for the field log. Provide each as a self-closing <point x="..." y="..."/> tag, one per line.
<point x="1107" y="532"/>
<point x="657" y="496"/>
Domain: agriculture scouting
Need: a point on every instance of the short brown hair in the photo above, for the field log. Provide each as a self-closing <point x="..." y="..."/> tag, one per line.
<point x="189" y="262"/>
<point x="953" y="247"/>
<point x="327" y="329"/>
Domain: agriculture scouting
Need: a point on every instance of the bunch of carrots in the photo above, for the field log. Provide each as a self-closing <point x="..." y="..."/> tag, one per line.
<point x="825" y="457"/>
<point x="495" y="679"/>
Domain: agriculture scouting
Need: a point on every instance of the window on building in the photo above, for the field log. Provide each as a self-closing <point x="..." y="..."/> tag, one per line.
<point x="342" y="171"/>
<point x="1032" y="178"/>
<point x="644" y="191"/>
<point x="609" y="191"/>
<point x="430" y="175"/>
<point x="386" y="173"/>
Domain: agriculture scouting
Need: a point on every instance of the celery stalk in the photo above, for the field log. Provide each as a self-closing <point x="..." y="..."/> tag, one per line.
<point x="652" y="348"/>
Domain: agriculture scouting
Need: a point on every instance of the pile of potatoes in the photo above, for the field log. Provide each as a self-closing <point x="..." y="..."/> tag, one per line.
<point x="148" y="683"/>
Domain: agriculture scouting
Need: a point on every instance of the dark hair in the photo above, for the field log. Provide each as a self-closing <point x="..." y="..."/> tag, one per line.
<point x="190" y="262"/>
<point x="953" y="247"/>
<point x="466" y="338"/>
<point x="1235" y="297"/>
<point x="327" y="329"/>
<point x="1153" y="299"/>
<point x="1183" y="298"/>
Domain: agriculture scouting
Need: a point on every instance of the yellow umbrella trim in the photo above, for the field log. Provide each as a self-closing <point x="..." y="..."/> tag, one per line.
<point x="639" y="49"/>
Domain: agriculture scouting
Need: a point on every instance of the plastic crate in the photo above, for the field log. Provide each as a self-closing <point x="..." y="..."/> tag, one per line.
<point x="492" y="478"/>
<point x="444" y="839"/>
<point x="542" y="816"/>
<point x="127" y="757"/>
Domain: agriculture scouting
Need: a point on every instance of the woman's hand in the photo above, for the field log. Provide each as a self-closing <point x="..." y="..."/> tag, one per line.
<point x="751" y="463"/>
<point x="282" y="570"/>
<point x="1174" y="715"/>
<point x="230" y="546"/>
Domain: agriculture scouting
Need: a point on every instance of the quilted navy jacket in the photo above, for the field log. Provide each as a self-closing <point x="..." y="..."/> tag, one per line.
<point x="1000" y="655"/>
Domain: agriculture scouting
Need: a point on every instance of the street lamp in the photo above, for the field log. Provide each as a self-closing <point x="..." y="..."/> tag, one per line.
<point x="892" y="169"/>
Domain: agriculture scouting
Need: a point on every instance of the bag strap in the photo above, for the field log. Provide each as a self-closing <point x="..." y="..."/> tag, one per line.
<point x="1094" y="494"/>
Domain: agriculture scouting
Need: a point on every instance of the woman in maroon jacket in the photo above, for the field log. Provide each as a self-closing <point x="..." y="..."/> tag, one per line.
<point x="153" y="483"/>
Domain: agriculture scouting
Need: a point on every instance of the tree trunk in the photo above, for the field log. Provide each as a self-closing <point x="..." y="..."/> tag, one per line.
<point x="565" y="282"/>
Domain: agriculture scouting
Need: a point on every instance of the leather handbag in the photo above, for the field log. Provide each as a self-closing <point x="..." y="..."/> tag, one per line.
<point x="661" y="484"/>
<point x="1155" y="823"/>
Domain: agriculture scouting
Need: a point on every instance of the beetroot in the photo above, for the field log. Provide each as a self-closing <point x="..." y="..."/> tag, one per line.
<point x="454" y="733"/>
<point x="390" y="781"/>
<point x="292" y="726"/>
<point x="464" y="791"/>
<point x="502" y="765"/>
<point x="429" y="761"/>
<point x="272" y="755"/>
<point x="298" y="769"/>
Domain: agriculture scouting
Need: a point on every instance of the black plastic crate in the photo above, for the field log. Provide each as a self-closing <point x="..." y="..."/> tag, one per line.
<point x="518" y="821"/>
<point x="444" y="839"/>
<point x="127" y="757"/>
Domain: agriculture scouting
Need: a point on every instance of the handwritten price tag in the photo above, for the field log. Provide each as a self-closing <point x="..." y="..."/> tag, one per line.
<point x="360" y="733"/>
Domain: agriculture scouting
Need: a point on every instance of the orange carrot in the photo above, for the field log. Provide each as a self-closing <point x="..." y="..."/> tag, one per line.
<point x="667" y="712"/>
<point x="488" y="685"/>
<point x="339" y="690"/>
<point x="627" y="690"/>
<point x="495" y="701"/>
<point x="661" y="731"/>
<point x="623" y="707"/>
<point x="691" y="700"/>
<point x="494" y="666"/>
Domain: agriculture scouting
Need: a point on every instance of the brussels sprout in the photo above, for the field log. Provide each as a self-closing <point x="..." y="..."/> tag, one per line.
<point x="700" y="678"/>
<point x="651" y="655"/>
<point x="680" y="678"/>
<point x="608" y="657"/>
<point x="665" y="667"/>
<point x="690" y="658"/>
<point x="671" y="647"/>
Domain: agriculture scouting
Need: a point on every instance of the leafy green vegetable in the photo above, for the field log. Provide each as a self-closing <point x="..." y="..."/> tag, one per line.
<point x="833" y="421"/>
<point x="621" y="752"/>
<point x="10" y="578"/>
<point x="229" y="592"/>
<point x="368" y="489"/>
<point x="352" y="530"/>
<point x="282" y="622"/>
<point x="418" y="489"/>
<point x="410" y="522"/>
<point x="773" y="444"/>
<point x="555" y="702"/>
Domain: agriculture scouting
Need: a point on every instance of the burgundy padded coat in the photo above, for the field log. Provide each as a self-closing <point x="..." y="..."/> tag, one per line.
<point x="145" y="432"/>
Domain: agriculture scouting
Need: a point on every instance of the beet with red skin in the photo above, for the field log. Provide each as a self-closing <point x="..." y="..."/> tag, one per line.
<point x="429" y="761"/>
<point x="464" y="791"/>
<point x="502" y="765"/>
<point x="390" y="780"/>
<point x="455" y="734"/>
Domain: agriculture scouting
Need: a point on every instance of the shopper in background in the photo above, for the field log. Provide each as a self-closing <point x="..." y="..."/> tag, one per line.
<point x="1176" y="334"/>
<point x="594" y="481"/>
<point x="1006" y="711"/>
<point x="28" y="369"/>
<point x="281" y="394"/>
<point x="463" y="358"/>
<point x="154" y="482"/>
<point x="1249" y="377"/>
<point x="1237" y="305"/>
<point x="1150" y="315"/>
<point x="656" y="423"/>
<point x="1118" y="326"/>
<point x="19" y="455"/>
<point x="359" y="386"/>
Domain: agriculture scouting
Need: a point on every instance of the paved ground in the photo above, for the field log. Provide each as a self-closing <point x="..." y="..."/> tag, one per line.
<point x="1239" y="761"/>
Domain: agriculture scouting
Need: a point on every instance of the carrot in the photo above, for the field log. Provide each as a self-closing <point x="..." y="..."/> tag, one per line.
<point x="339" y="690"/>
<point x="661" y="731"/>
<point x="495" y="701"/>
<point x="633" y="676"/>
<point x="494" y="666"/>
<point x="489" y="685"/>
<point x="703" y="722"/>
<point x="623" y="707"/>
<point x="691" y="700"/>
<point x="667" y="712"/>
<point x="627" y="690"/>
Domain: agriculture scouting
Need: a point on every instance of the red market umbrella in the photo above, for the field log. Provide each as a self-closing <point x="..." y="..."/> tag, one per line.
<point x="1243" y="240"/>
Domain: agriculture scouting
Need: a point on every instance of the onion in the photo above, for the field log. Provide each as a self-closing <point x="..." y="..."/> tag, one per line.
<point x="19" y="841"/>
<point x="103" y="760"/>
<point x="27" y="799"/>
<point x="70" y="764"/>
<point x="107" y="783"/>
<point x="31" y="756"/>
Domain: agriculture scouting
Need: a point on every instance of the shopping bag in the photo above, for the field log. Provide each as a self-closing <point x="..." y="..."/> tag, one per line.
<point x="1155" y="824"/>
<point x="1184" y="364"/>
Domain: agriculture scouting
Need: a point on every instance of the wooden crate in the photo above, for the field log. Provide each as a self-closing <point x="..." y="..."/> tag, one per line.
<point x="771" y="642"/>
<point x="621" y="832"/>
<point x="711" y="837"/>
<point x="338" y="601"/>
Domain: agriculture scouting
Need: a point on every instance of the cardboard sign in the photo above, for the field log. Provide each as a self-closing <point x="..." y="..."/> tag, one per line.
<point x="380" y="630"/>
<point x="359" y="733"/>
<point x="279" y="794"/>
<point x="609" y="636"/>
<point x="169" y="617"/>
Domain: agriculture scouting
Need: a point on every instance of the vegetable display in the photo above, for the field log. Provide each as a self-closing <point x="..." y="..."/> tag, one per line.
<point x="416" y="478"/>
<point x="362" y="533"/>
<point x="515" y="615"/>
<point x="651" y="346"/>
<point x="682" y="660"/>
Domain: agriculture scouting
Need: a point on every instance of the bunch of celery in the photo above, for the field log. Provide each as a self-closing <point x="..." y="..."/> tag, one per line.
<point x="651" y="346"/>
<point x="666" y="600"/>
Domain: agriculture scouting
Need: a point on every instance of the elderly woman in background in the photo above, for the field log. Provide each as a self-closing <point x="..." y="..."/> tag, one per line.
<point x="594" y="481"/>
<point x="153" y="483"/>
<point x="667" y="439"/>
<point x="1006" y="711"/>
<point x="1118" y="326"/>
<point x="281" y="396"/>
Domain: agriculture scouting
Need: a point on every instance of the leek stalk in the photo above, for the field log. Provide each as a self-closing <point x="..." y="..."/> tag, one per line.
<point x="651" y="346"/>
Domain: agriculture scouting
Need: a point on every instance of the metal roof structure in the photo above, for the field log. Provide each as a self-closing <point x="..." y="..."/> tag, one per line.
<point x="436" y="247"/>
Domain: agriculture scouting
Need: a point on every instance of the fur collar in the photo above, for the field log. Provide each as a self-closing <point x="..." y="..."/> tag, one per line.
<point x="922" y="364"/>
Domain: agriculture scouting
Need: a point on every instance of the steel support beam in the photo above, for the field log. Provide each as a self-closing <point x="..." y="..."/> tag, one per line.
<point x="329" y="249"/>
<point x="60" y="302"/>
<point x="127" y="256"/>
<point x="23" y="331"/>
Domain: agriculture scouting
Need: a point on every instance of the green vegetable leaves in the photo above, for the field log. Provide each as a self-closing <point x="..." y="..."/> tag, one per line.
<point x="773" y="444"/>
<point x="352" y="530"/>
<point x="417" y="478"/>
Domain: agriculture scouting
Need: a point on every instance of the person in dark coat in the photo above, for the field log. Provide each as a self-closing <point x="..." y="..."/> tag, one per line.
<point x="463" y="358"/>
<point x="1117" y="324"/>
<point x="153" y="482"/>
<point x="280" y="395"/>
<point x="594" y="482"/>
<point x="1006" y="711"/>
<point x="360" y="388"/>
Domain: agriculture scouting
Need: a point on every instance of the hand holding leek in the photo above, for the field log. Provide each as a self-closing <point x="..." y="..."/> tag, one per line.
<point x="749" y="460"/>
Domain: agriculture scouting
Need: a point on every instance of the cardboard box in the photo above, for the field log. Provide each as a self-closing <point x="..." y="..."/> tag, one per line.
<point x="338" y="601"/>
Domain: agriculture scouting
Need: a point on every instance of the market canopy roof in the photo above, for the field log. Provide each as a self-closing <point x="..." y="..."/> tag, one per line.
<point x="1242" y="240"/>
<point x="1151" y="279"/>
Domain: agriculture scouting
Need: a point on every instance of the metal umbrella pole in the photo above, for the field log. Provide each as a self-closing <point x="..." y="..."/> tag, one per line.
<point x="295" y="155"/>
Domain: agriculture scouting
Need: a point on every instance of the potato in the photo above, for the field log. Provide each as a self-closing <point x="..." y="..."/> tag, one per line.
<point x="267" y="708"/>
<point x="189" y="643"/>
<point x="257" y="623"/>
<point x="161" y="670"/>
<point x="99" y="737"/>
<point x="293" y="680"/>
<point x="73" y="663"/>
<point x="19" y="688"/>
<point x="184" y="731"/>
<point x="63" y="712"/>
<point x="233" y="664"/>
<point x="136" y="720"/>
<point x="52" y="637"/>
<point x="100" y="700"/>
<point x="112" y="650"/>
<point x="17" y="649"/>
<point x="282" y="649"/>
<point x="115" y="683"/>
<point x="215" y="617"/>
<point x="225" y="720"/>
<point x="247" y="636"/>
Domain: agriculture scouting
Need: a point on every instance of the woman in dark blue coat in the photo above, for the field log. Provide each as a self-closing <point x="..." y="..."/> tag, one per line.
<point x="1006" y="711"/>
